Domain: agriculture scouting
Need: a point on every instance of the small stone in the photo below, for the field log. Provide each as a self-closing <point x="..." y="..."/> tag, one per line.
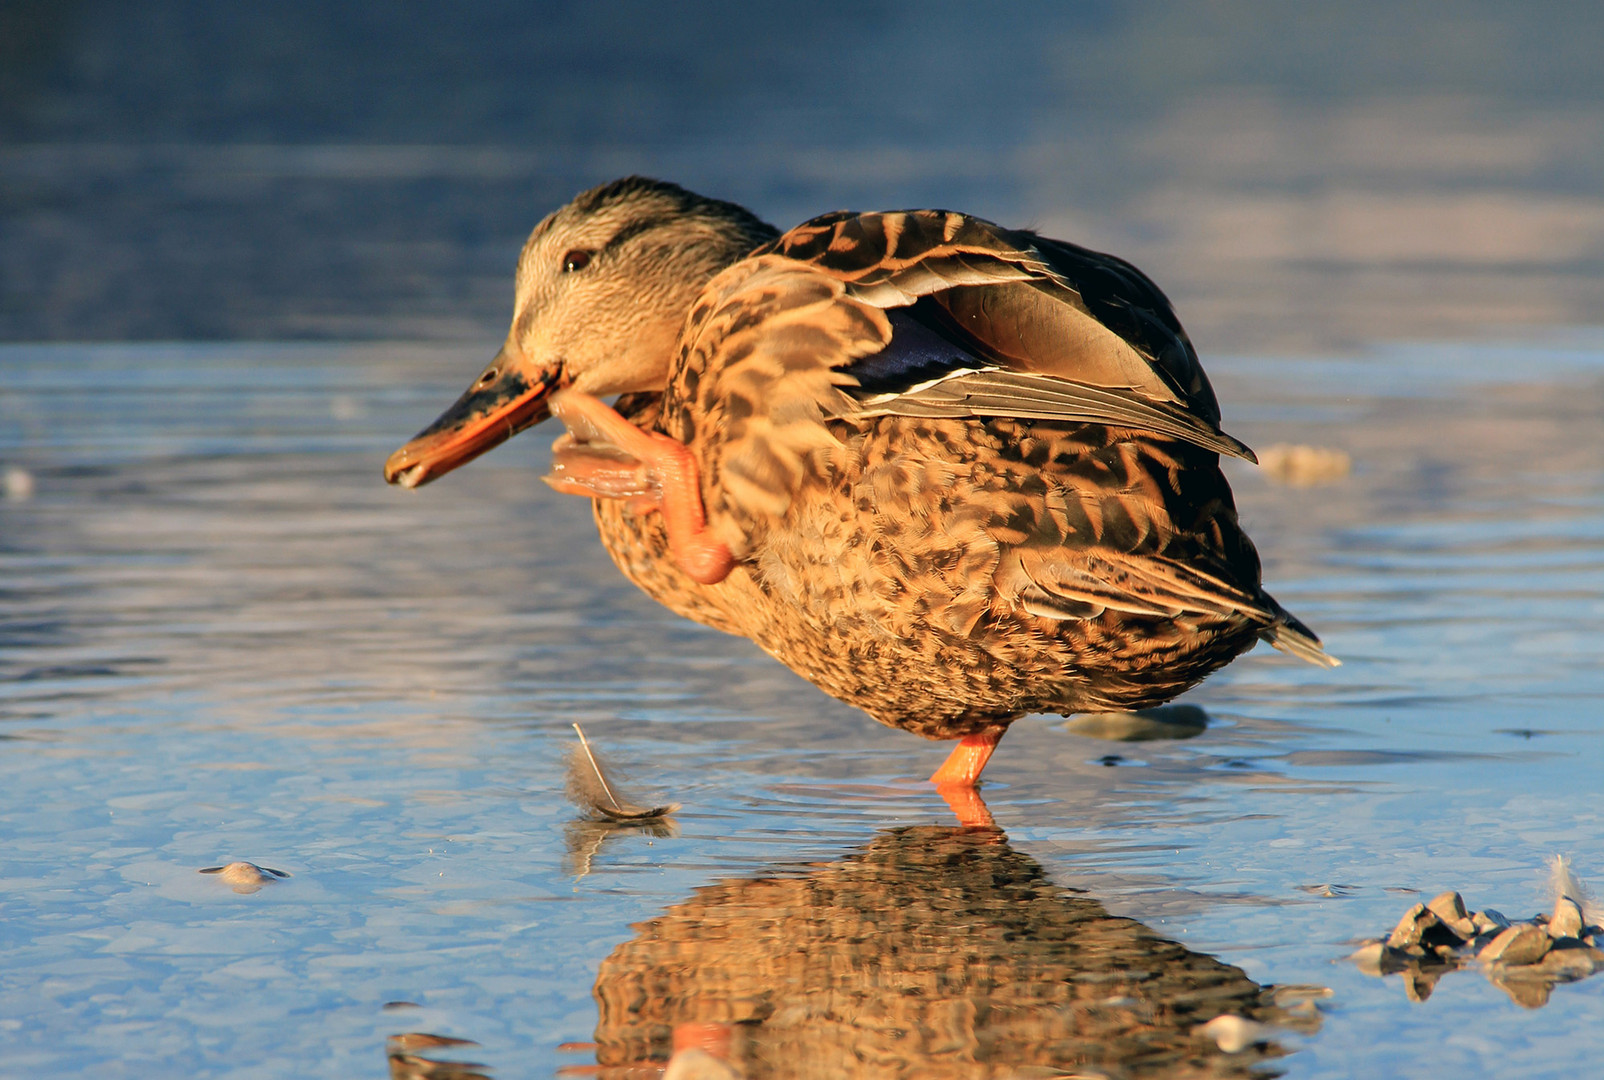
<point x="1328" y="889"/>
<point x="1450" y="908"/>
<point x="1517" y="946"/>
<point x="17" y="484"/>
<point x="1568" y="961"/>
<point x="1144" y="725"/>
<point x="422" y="1040"/>
<point x="1489" y="921"/>
<point x="1419" y="930"/>
<point x="246" y="877"/>
<point x="1407" y="932"/>
<point x="1566" y="922"/>
<point x="1233" y="1034"/>
<point x="1371" y="958"/>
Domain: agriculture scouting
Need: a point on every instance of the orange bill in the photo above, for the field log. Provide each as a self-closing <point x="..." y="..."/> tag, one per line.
<point x="507" y="398"/>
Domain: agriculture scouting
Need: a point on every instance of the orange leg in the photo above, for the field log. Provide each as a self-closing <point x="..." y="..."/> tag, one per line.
<point x="712" y="1038"/>
<point x="967" y="806"/>
<point x="670" y="464"/>
<point x="958" y="776"/>
<point x="962" y="767"/>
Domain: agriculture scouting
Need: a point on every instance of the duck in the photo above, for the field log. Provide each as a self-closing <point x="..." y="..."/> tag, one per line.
<point x="949" y="472"/>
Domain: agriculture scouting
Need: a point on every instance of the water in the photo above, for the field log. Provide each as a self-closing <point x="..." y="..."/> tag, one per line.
<point x="226" y="639"/>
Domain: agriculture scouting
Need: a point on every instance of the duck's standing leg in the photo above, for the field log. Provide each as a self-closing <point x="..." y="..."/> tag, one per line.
<point x="958" y="776"/>
<point x="962" y="767"/>
<point x="669" y="465"/>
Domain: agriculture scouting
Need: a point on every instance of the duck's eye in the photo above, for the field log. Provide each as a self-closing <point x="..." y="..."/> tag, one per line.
<point x="576" y="259"/>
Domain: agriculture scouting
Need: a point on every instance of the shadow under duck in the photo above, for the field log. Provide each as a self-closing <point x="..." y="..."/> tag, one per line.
<point x="948" y="472"/>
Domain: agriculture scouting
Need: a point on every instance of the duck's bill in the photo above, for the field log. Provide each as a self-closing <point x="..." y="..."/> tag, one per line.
<point x="502" y="402"/>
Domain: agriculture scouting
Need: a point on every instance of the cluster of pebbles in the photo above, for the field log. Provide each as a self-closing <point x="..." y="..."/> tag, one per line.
<point x="1525" y="959"/>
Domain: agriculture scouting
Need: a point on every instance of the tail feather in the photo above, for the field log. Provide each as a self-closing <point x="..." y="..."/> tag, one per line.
<point x="1288" y="634"/>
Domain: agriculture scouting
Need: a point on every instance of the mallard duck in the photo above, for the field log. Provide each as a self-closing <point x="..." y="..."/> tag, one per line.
<point x="949" y="472"/>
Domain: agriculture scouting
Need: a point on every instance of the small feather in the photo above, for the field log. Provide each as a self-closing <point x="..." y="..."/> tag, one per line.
<point x="592" y="790"/>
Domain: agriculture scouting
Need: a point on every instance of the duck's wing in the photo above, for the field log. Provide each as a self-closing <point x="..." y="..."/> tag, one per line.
<point x="996" y="322"/>
<point x="757" y="376"/>
<point x="777" y="346"/>
<point x="916" y="313"/>
<point x="1054" y="584"/>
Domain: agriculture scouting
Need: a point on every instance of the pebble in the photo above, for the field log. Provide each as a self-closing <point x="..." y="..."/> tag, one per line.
<point x="1144" y="725"/>
<point x="1421" y="930"/>
<point x="1489" y="921"/>
<point x="422" y="1040"/>
<point x="1407" y="932"/>
<point x="17" y="484"/>
<point x="1232" y="1033"/>
<point x="1450" y="908"/>
<point x="1524" y="959"/>
<point x="1371" y="958"/>
<point x="1517" y="946"/>
<point x="246" y="877"/>
<point x="1328" y="889"/>
<point x="1567" y="921"/>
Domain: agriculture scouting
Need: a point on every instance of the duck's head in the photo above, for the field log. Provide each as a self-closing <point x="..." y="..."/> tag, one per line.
<point x="604" y="286"/>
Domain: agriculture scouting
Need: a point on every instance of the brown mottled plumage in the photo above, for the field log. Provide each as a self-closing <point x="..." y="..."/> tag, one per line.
<point x="951" y="473"/>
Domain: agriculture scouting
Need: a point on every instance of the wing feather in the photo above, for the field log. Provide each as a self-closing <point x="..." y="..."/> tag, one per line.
<point x="1044" y="397"/>
<point x="1108" y="580"/>
<point x="1056" y="584"/>
<point x="1072" y="334"/>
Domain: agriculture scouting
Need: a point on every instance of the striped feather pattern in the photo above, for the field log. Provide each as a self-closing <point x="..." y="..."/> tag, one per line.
<point x="753" y="381"/>
<point x="1001" y="297"/>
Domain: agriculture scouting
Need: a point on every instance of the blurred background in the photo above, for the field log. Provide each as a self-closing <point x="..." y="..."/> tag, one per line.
<point x="1297" y="177"/>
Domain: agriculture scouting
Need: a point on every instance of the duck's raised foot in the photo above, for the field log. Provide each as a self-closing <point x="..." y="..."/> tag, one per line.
<point x="605" y="456"/>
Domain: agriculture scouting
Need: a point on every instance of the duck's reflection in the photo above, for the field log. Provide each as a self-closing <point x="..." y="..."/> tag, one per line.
<point x="931" y="952"/>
